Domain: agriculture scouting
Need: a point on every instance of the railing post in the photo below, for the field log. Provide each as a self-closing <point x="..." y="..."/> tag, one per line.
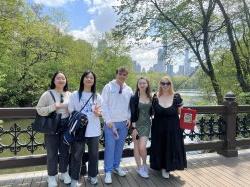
<point x="229" y="116"/>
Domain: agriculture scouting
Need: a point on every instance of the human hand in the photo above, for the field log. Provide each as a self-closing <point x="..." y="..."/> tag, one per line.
<point x="59" y="106"/>
<point x="97" y="110"/>
<point x="109" y="125"/>
<point x="134" y="133"/>
<point x="128" y="123"/>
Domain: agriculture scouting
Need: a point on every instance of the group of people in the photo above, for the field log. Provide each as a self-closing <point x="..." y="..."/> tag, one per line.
<point x="122" y="111"/>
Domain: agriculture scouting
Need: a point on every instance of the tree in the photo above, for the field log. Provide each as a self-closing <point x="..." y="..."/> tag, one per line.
<point x="239" y="41"/>
<point x="180" y="24"/>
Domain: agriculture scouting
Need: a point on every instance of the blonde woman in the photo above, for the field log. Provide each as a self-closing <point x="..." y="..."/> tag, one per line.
<point x="167" y="144"/>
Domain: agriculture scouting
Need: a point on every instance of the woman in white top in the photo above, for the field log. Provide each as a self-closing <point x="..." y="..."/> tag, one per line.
<point x="54" y="142"/>
<point x="92" y="109"/>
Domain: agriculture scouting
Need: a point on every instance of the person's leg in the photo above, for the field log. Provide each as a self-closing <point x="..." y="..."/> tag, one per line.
<point x="143" y="149"/>
<point x="109" y="149"/>
<point x="93" y="152"/>
<point x="63" y="155"/>
<point x="123" y="132"/>
<point x="76" y="159"/>
<point x="136" y="152"/>
<point x="83" y="166"/>
<point x="52" y="146"/>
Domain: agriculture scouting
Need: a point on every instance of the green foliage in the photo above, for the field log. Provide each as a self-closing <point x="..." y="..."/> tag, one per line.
<point x="32" y="49"/>
<point x="226" y="74"/>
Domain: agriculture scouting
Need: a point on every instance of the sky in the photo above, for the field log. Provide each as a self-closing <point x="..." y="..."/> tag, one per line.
<point x="88" y="19"/>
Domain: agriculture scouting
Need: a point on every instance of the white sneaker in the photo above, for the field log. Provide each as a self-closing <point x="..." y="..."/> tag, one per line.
<point x="93" y="180"/>
<point x="74" y="183"/>
<point x="52" y="181"/>
<point x="145" y="167"/>
<point x="142" y="172"/>
<point x="108" y="178"/>
<point x="119" y="171"/>
<point x="65" y="178"/>
<point x="165" y="174"/>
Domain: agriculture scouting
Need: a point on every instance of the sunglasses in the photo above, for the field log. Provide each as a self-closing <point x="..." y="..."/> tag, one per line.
<point x="61" y="98"/>
<point x="165" y="83"/>
<point x="120" y="90"/>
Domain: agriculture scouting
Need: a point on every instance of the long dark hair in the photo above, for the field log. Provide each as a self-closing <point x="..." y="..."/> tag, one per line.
<point x="93" y="87"/>
<point x="148" y="90"/>
<point x="52" y="84"/>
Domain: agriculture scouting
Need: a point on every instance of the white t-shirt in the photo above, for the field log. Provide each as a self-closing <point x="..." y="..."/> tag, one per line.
<point x="94" y="127"/>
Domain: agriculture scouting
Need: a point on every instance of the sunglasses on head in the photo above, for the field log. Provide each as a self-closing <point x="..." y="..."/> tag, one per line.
<point x="61" y="98"/>
<point x="165" y="83"/>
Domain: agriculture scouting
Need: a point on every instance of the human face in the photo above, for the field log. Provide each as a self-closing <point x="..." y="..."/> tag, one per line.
<point x="165" y="84"/>
<point x="142" y="85"/>
<point x="89" y="80"/>
<point x="60" y="81"/>
<point x="121" y="76"/>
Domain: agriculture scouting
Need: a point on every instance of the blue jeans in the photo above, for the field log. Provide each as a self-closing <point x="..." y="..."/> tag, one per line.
<point x="114" y="148"/>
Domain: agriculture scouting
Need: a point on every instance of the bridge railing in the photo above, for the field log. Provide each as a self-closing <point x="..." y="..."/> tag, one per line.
<point x="221" y="128"/>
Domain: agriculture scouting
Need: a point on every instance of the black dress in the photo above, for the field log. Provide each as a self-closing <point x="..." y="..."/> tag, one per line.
<point x="167" y="143"/>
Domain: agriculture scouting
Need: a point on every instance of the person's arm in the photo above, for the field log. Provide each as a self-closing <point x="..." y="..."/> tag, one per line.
<point x="43" y="107"/>
<point x="97" y="107"/>
<point x="179" y="102"/>
<point x="105" y="105"/>
<point x="129" y="111"/>
<point x="132" y="109"/>
<point x="71" y="105"/>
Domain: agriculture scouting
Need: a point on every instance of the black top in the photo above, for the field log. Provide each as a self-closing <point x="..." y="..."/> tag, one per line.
<point x="134" y="102"/>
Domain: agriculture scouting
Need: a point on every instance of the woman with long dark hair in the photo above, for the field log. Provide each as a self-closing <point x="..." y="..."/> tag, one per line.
<point x="86" y="96"/>
<point x="140" y="106"/>
<point x="54" y="141"/>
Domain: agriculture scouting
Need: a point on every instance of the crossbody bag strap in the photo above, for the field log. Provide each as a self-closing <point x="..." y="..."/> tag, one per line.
<point x="86" y="102"/>
<point x="52" y="95"/>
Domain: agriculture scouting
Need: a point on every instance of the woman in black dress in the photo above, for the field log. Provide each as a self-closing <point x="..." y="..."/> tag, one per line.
<point x="167" y="144"/>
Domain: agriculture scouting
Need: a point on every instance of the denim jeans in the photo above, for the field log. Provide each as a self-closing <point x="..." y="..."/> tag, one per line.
<point x="114" y="147"/>
<point x="77" y="150"/>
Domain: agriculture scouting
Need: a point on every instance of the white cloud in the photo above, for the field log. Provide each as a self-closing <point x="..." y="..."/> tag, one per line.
<point x="146" y="53"/>
<point x="53" y="3"/>
<point x="145" y="57"/>
<point x="89" y="33"/>
<point x="104" y="19"/>
<point x="103" y="13"/>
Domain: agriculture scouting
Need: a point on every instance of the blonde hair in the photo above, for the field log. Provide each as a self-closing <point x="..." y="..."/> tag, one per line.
<point x="164" y="79"/>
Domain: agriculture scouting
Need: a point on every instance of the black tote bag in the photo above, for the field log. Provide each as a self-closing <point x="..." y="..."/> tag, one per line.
<point x="47" y="124"/>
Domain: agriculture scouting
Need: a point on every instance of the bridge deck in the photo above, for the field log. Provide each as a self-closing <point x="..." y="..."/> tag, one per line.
<point x="208" y="169"/>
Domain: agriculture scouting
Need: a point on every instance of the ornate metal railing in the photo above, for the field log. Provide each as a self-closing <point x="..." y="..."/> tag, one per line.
<point x="243" y="126"/>
<point x="208" y="128"/>
<point x="221" y="128"/>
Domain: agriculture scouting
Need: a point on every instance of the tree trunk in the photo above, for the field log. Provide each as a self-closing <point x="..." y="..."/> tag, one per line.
<point x="243" y="83"/>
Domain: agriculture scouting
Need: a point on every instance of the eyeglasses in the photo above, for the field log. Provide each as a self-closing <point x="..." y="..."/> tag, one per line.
<point x="165" y="83"/>
<point x="61" y="98"/>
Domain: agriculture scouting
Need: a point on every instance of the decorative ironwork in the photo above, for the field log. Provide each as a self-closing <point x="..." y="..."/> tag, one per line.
<point x="243" y="126"/>
<point x="18" y="139"/>
<point x="209" y="127"/>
